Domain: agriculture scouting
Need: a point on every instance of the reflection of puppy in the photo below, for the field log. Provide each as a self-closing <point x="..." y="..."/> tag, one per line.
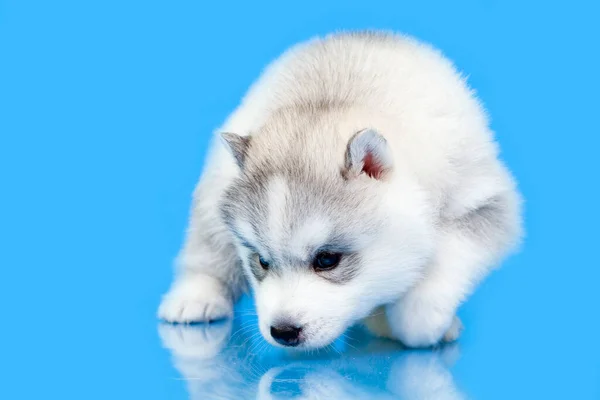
<point x="199" y="354"/>
<point x="195" y="342"/>
<point x="361" y="172"/>
<point x="410" y="375"/>
<point x="312" y="382"/>
<point x="424" y="376"/>
<point x="375" y="369"/>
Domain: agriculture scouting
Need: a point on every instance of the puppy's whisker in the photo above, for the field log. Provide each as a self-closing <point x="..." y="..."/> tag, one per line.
<point x="242" y="332"/>
<point x="254" y="336"/>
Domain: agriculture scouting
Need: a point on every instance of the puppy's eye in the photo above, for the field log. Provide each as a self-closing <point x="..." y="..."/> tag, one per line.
<point x="325" y="261"/>
<point x="263" y="263"/>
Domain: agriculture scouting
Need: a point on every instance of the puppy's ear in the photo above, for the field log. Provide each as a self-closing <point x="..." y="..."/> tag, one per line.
<point x="237" y="145"/>
<point x="368" y="153"/>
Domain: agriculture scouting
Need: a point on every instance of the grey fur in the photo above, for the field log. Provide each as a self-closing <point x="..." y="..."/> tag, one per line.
<point x="489" y="223"/>
<point x="238" y="145"/>
<point x="311" y="191"/>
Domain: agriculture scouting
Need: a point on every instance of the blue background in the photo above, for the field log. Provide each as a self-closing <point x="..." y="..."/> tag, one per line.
<point x="106" y="109"/>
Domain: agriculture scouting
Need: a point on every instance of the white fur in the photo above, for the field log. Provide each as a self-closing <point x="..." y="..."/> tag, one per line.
<point x="310" y="235"/>
<point x="196" y="298"/>
<point x="446" y="214"/>
<point x="278" y="196"/>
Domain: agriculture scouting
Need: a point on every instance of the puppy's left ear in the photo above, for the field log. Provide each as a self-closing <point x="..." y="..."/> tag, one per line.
<point x="368" y="153"/>
<point x="238" y="146"/>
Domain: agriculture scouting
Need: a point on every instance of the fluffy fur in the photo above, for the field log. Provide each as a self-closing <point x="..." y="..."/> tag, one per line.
<point x="368" y="144"/>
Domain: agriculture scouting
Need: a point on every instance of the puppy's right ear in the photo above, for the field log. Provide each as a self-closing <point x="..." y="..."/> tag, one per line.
<point x="237" y="145"/>
<point x="368" y="153"/>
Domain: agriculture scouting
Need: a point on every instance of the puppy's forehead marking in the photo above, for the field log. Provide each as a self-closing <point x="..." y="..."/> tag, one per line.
<point x="247" y="234"/>
<point x="245" y="229"/>
<point x="277" y="194"/>
<point x="311" y="234"/>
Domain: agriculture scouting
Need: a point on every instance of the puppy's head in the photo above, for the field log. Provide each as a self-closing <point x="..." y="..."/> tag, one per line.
<point x="325" y="230"/>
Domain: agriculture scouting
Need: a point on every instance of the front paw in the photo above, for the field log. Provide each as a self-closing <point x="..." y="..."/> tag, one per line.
<point x="200" y="298"/>
<point x="417" y="323"/>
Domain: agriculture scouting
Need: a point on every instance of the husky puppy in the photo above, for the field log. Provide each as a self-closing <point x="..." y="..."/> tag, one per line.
<point x="358" y="180"/>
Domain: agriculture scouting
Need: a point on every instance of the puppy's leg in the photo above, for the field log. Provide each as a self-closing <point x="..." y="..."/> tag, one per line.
<point x="209" y="279"/>
<point x="469" y="246"/>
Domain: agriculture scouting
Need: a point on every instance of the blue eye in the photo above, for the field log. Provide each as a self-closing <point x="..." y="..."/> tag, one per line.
<point x="263" y="263"/>
<point x="326" y="260"/>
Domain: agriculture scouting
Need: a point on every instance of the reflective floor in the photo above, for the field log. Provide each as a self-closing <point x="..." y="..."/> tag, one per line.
<point x="230" y="360"/>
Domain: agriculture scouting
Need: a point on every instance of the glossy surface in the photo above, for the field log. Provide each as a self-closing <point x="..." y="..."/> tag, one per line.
<point x="230" y="360"/>
<point x="106" y="109"/>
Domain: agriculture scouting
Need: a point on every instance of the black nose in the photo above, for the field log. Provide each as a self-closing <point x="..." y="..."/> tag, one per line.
<point x="286" y="335"/>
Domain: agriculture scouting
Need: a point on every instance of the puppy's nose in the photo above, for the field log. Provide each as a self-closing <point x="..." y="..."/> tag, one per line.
<point x="286" y="335"/>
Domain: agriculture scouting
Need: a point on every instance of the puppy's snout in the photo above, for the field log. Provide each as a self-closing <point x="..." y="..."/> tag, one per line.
<point x="286" y="335"/>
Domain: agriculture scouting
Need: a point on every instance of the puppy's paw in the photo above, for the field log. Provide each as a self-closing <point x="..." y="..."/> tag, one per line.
<point x="453" y="333"/>
<point x="200" y="298"/>
<point x="419" y="323"/>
